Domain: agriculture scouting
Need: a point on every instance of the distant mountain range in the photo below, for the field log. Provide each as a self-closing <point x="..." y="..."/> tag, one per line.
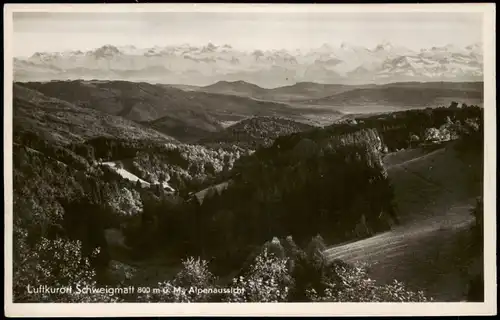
<point x="406" y="95"/>
<point x="205" y="65"/>
<point x="399" y="94"/>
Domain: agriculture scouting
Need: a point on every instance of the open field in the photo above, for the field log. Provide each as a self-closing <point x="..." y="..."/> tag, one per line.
<point x="428" y="251"/>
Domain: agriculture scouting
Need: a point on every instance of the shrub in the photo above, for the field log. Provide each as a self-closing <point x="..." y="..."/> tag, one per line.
<point x="274" y="248"/>
<point x="432" y="135"/>
<point x="315" y="250"/>
<point x="126" y="202"/>
<point x="356" y="286"/>
<point x="268" y="280"/>
<point x="194" y="273"/>
<point x="192" y="284"/>
<point x="55" y="264"/>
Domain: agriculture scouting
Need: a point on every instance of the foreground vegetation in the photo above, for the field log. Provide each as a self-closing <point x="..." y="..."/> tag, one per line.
<point x="279" y="273"/>
<point x="322" y="181"/>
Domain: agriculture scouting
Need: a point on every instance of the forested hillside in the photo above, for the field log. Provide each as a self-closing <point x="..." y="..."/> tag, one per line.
<point x="60" y="121"/>
<point x="410" y="128"/>
<point x="281" y="179"/>
<point x="254" y="132"/>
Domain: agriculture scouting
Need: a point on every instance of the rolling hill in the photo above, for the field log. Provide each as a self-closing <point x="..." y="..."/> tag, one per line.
<point x="298" y="91"/>
<point x="398" y="94"/>
<point x="184" y="115"/>
<point x="254" y="132"/>
<point x="134" y="101"/>
<point x="61" y="121"/>
<point x="240" y="88"/>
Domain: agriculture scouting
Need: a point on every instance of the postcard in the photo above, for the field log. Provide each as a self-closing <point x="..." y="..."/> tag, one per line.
<point x="249" y="159"/>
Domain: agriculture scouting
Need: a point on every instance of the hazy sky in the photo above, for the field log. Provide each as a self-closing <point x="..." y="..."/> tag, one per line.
<point x="70" y="31"/>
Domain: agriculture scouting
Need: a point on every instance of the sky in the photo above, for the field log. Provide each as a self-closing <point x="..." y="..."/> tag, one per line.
<point x="50" y="32"/>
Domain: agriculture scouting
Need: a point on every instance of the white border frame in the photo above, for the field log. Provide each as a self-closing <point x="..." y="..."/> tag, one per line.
<point x="289" y="309"/>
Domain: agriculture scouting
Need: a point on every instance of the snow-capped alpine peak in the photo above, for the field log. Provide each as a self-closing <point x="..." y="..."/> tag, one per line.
<point x="209" y="63"/>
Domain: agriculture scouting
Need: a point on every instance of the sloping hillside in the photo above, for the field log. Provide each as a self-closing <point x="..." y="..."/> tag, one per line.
<point x="60" y="121"/>
<point x="186" y="126"/>
<point x="434" y="193"/>
<point x="254" y="132"/>
<point x="430" y="183"/>
<point x="139" y="102"/>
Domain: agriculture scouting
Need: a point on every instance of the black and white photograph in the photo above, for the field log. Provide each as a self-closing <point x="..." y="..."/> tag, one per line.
<point x="254" y="155"/>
